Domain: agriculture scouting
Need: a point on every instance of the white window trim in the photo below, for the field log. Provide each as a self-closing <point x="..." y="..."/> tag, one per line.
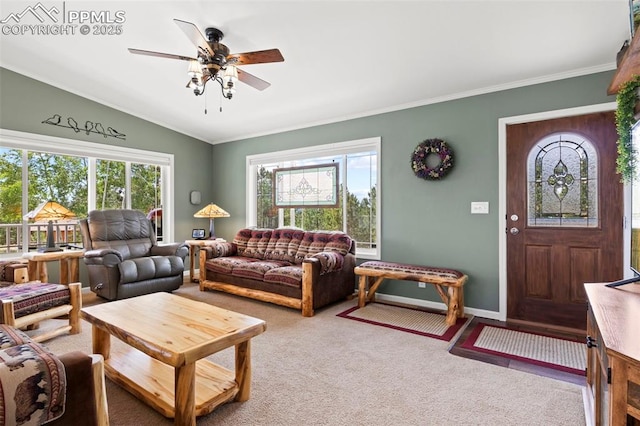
<point x="338" y="148"/>
<point x="63" y="146"/>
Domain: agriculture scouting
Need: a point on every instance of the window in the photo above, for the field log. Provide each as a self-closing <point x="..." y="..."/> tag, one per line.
<point x="358" y="189"/>
<point x="110" y="185"/>
<point x="37" y="168"/>
<point x="562" y="182"/>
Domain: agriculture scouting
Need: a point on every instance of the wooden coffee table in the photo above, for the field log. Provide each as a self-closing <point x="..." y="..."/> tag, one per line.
<point x="167" y="337"/>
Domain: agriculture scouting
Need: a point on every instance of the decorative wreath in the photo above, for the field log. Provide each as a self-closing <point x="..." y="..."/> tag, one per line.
<point x="424" y="150"/>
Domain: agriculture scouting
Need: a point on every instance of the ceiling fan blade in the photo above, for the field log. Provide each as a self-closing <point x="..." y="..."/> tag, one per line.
<point x="252" y="80"/>
<point x="194" y="34"/>
<point x="160" y="55"/>
<point x="257" y="57"/>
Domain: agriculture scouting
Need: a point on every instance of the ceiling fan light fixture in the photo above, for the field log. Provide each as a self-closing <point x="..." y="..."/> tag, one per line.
<point x="230" y="75"/>
<point x="213" y="58"/>
<point x="196" y="85"/>
<point x="228" y="92"/>
<point x="195" y="70"/>
<point x="229" y="80"/>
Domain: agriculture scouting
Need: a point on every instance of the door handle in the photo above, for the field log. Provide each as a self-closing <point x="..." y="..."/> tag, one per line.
<point x="514" y="231"/>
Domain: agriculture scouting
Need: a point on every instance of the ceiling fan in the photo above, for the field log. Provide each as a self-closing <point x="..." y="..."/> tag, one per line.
<point x="215" y="62"/>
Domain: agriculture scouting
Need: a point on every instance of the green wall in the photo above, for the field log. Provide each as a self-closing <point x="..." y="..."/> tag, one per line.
<point x="424" y="222"/>
<point x="25" y="103"/>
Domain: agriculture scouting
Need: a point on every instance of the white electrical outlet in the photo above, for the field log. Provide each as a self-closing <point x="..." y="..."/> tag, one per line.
<point x="479" y="207"/>
<point x="422" y="285"/>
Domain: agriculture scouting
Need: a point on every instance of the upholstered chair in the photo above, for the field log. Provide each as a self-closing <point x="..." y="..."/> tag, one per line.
<point x="123" y="258"/>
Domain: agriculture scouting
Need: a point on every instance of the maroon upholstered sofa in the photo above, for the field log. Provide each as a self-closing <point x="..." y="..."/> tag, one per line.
<point x="299" y="269"/>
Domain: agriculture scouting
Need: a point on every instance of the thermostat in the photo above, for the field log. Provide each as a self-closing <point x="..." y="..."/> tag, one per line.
<point x="195" y="197"/>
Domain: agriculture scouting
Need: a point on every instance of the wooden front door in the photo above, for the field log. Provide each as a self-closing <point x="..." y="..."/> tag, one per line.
<point x="564" y="216"/>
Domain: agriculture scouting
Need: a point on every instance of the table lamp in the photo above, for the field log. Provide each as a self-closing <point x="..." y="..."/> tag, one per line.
<point x="211" y="211"/>
<point x="49" y="211"/>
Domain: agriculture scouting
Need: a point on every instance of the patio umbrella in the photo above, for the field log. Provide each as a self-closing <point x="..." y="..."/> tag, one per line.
<point x="50" y="211"/>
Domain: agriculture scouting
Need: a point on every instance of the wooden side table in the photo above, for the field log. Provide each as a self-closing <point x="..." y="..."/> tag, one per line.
<point x="193" y="246"/>
<point x="68" y="260"/>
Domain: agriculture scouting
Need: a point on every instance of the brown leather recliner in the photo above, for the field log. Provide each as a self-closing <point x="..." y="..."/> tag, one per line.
<point x="123" y="258"/>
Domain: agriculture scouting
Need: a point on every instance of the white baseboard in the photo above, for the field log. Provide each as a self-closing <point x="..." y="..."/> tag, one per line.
<point x="482" y="313"/>
<point x="589" y="409"/>
<point x="435" y="305"/>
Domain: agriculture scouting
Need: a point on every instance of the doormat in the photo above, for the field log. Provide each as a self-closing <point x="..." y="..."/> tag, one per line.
<point x="538" y="349"/>
<point x="409" y="320"/>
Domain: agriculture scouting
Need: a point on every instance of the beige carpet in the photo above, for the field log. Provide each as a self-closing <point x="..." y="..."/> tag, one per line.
<point x="327" y="371"/>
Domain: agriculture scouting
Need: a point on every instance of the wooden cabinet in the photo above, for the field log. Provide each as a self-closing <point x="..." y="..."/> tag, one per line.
<point x="613" y="354"/>
<point x="629" y="66"/>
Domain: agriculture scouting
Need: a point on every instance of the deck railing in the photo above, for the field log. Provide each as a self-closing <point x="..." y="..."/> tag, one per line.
<point x="11" y="240"/>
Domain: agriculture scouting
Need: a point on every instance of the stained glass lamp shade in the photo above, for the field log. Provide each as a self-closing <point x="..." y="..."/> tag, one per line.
<point x="211" y="212"/>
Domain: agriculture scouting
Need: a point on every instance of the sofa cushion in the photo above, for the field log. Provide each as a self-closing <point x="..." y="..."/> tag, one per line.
<point x="287" y="275"/>
<point x="225" y="265"/>
<point x="241" y="239"/>
<point x="257" y="243"/>
<point x="317" y="241"/>
<point x="284" y="244"/>
<point x="330" y="261"/>
<point x="339" y="242"/>
<point x="147" y="268"/>
<point x="223" y="248"/>
<point x="256" y="270"/>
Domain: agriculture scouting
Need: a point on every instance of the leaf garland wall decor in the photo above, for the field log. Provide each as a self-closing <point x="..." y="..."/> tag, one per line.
<point x="627" y="98"/>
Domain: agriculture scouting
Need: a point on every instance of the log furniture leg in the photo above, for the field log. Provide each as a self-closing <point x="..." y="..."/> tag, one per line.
<point x="38" y="271"/>
<point x="243" y="370"/>
<point x="362" y="290"/>
<point x="185" y="395"/>
<point x="374" y="272"/>
<point x="101" y="342"/>
<point x="64" y="271"/>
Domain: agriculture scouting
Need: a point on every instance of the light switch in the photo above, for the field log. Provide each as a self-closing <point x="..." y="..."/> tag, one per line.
<point x="479" y="207"/>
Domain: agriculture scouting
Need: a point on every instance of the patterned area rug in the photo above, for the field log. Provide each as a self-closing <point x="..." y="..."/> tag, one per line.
<point x="559" y="354"/>
<point x="409" y="320"/>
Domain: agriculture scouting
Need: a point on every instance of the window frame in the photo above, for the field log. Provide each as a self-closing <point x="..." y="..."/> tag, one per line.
<point x="63" y="146"/>
<point x="316" y="151"/>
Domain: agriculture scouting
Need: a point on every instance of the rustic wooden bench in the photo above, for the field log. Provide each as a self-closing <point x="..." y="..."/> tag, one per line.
<point x="372" y="273"/>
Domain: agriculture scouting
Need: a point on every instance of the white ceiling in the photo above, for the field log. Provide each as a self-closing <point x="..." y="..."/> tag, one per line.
<point x="343" y="59"/>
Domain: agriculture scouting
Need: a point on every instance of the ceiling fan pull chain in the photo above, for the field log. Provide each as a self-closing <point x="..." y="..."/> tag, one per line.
<point x="220" y="98"/>
<point x="205" y="104"/>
